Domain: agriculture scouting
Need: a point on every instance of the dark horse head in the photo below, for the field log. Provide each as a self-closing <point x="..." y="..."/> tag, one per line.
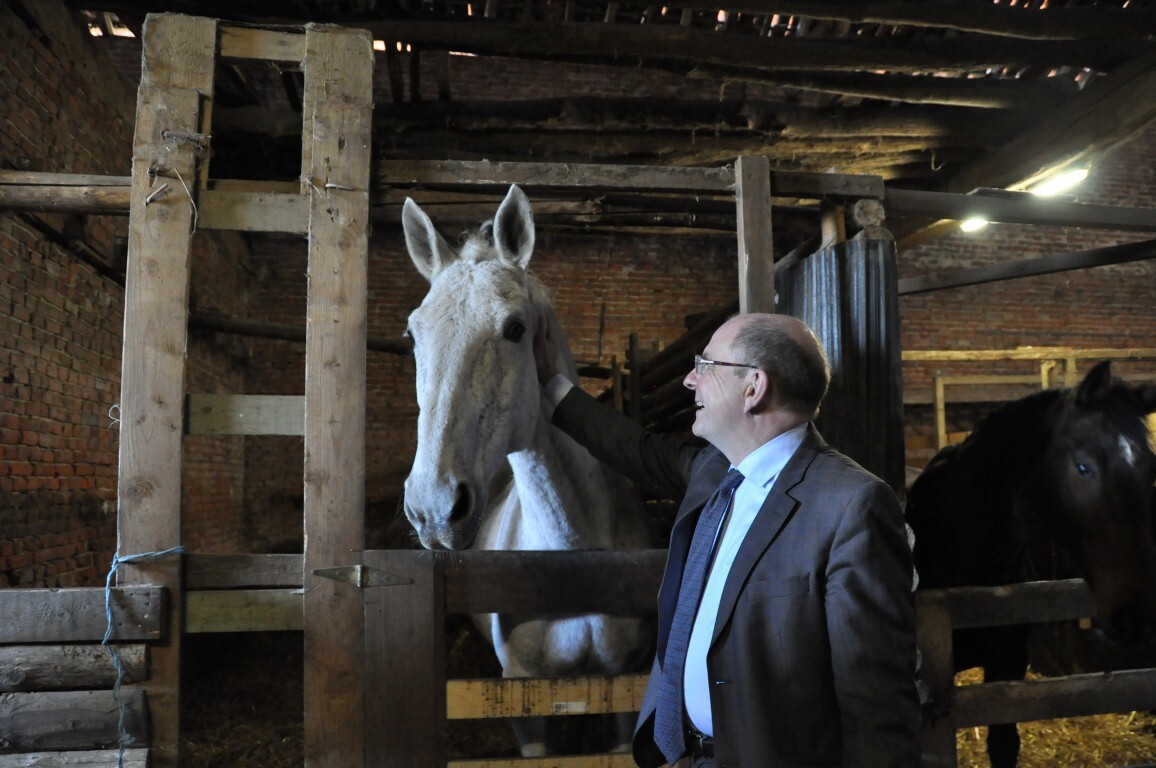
<point x="1063" y="472"/>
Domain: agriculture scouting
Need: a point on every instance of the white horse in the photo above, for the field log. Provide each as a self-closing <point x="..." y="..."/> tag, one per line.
<point x="490" y="472"/>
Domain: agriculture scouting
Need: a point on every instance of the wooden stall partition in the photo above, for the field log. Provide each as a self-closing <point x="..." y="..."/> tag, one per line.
<point x="170" y="143"/>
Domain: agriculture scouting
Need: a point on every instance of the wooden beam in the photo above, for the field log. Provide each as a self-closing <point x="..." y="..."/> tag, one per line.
<point x="679" y="48"/>
<point x="1072" y="696"/>
<point x="89" y="758"/>
<point x="34" y="722"/>
<point x="756" y="249"/>
<point x="253" y="211"/>
<point x="264" y="44"/>
<point x="553" y="175"/>
<point x="1045" y="265"/>
<point x="52" y="667"/>
<point x="243" y="610"/>
<point x="1019" y="209"/>
<point x="77" y="615"/>
<point x="177" y="78"/>
<point x="208" y="571"/>
<point x="545" y="697"/>
<point x="209" y="321"/>
<point x="1051" y="23"/>
<point x="337" y="118"/>
<point x="246" y="415"/>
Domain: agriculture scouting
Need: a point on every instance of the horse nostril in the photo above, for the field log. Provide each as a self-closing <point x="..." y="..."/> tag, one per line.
<point x="463" y="503"/>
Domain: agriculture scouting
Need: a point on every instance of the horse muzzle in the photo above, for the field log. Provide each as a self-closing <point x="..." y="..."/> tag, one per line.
<point x="446" y="516"/>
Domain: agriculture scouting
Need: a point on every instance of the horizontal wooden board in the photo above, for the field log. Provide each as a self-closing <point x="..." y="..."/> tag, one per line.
<point x="1073" y="696"/>
<point x="245" y="415"/>
<point x="1028" y="353"/>
<point x="89" y="758"/>
<point x="243" y="610"/>
<point x="53" y="667"/>
<point x="77" y="614"/>
<point x="251" y="43"/>
<point x="253" y="211"/>
<point x="618" y="582"/>
<point x="554" y="175"/>
<point x="466" y="699"/>
<point x="70" y="719"/>
<point x="1029" y="603"/>
<point x="580" y="761"/>
<point x="208" y="571"/>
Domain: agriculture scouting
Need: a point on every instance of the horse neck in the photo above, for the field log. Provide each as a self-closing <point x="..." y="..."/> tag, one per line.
<point x="560" y="499"/>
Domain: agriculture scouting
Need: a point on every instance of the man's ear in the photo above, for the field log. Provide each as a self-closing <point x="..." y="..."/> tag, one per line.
<point x="758" y="392"/>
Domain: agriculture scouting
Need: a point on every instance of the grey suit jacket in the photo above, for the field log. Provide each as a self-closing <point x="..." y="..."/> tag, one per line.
<point x="813" y="656"/>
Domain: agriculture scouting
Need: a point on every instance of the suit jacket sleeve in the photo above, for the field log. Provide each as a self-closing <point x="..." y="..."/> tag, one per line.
<point x="659" y="464"/>
<point x="870" y="619"/>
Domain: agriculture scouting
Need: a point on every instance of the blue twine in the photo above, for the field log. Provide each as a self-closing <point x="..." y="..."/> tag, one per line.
<point x="123" y="737"/>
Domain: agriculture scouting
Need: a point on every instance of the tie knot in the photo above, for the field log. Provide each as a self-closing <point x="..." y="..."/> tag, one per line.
<point x="733" y="479"/>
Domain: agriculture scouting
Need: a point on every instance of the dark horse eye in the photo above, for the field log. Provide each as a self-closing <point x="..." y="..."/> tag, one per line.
<point x="514" y="331"/>
<point x="1085" y="470"/>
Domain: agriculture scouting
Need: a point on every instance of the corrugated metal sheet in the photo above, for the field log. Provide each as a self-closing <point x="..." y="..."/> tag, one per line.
<point x="847" y="293"/>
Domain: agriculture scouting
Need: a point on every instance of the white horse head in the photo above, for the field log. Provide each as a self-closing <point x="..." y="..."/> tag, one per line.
<point x="476" y="386"/>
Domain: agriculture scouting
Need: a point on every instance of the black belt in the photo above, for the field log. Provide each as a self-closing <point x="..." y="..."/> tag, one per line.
<point x="700" y="745"/>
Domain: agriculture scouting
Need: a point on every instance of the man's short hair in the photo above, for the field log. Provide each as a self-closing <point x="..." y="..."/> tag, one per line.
<point x="797" y="367"/>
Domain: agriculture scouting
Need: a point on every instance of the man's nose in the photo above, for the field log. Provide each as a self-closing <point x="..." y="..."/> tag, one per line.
<point x="690" y="381"/>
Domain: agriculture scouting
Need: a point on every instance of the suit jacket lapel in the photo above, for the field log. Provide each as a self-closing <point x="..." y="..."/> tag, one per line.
<point x="775" y="513"/>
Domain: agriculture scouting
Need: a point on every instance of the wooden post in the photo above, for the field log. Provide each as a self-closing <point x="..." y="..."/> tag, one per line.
<point x="940" y="414"/>
<point x="406" y="661"/>
<point x="335" y="175"/>
<point x="176" y="78"/>
<point x="936" y="671"/>
<point x="756" y="246"/>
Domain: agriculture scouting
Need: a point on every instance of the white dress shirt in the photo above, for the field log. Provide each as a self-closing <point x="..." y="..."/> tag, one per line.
<point x="759" y="471"/>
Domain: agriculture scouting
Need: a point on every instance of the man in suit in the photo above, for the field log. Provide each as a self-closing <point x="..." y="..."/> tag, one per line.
<point x="801" y="649"/>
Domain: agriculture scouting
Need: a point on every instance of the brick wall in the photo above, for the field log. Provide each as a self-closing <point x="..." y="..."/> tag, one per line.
<point x="61" y="317"/>
<point x="1104" y="307"/>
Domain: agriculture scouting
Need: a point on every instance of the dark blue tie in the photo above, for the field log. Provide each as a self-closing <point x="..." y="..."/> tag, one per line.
<point x="669" y="733"/>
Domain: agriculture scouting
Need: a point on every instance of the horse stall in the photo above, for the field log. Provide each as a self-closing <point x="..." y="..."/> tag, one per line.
<point x="376" y="691"/>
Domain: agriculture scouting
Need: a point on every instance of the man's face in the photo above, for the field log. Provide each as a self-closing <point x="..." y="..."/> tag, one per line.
<point x="718" y="391"/>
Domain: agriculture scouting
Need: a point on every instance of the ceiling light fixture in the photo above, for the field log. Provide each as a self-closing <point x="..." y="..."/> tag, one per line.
<point x="1060" y="182"/>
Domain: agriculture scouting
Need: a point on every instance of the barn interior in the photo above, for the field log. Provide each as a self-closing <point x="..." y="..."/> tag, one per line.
<point x="948" y="111"/>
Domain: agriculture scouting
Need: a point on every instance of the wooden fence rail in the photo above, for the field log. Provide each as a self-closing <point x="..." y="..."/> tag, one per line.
<point x="404" y="641"/>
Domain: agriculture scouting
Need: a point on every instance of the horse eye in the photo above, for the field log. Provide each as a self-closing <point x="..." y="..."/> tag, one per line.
<point x="514" y="331"/>
<point x="1085" y="470"/>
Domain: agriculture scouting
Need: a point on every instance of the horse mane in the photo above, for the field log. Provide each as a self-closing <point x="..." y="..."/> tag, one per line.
<point x="1012" y="437"/>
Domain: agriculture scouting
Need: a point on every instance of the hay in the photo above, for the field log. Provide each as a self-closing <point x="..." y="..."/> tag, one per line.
<point x="1077" y="742"/>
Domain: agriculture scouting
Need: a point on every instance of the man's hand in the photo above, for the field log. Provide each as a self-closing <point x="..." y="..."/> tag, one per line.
<point x="545" y="351"/>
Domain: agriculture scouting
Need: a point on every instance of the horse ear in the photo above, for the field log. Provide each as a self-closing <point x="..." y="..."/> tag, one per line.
<point x="428" y="249"/>
<point x="1146" y="394"/>
<point x="1096" y="384"/>
<point x="514" y="228"/>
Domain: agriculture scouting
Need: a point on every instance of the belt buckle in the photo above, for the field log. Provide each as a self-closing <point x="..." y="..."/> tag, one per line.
<point x="701" y="745"/>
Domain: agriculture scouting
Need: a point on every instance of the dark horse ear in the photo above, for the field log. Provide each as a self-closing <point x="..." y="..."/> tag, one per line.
<point x="1096" y="384"/>
<point x="1146" y="394"/>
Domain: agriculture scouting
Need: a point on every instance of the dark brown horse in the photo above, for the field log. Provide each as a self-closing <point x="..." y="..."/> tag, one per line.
<point x="1064" y="471"/>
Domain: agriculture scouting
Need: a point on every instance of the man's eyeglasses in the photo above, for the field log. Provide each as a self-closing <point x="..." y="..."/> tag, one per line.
<point x="702" y="365"/>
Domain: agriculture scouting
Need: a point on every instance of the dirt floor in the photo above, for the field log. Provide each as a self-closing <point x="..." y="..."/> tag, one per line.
<point x="242" y="706"/>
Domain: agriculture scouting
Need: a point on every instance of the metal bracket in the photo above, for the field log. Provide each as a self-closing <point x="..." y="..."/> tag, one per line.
<point x="362" y="576"/>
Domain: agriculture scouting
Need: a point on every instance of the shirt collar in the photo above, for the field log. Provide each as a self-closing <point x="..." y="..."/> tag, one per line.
<point x="765" y="463"/>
